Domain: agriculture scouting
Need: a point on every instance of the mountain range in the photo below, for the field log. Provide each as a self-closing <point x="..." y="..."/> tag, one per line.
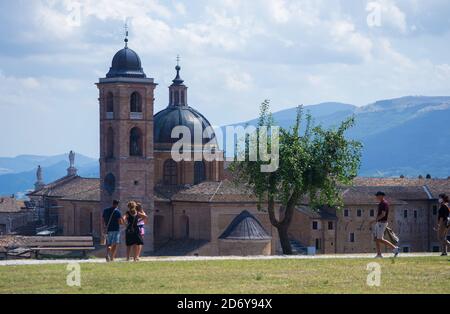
<point x="18" y="174"/>
<point x="407" y="136"/>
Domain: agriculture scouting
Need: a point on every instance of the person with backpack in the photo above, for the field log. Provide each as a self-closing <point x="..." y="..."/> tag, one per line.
<point x="443" y="223"/>
<point x="112" y="219"/>
<point x="133" y="236"/>
<point x="380" y="225"/>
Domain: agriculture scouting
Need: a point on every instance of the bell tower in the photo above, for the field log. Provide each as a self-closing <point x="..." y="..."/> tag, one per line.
<point x="126" y="99"/>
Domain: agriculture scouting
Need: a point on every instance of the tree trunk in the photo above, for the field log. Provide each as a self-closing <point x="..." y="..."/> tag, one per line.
<point x="284" y="239"/>
<point x="283" y="226"/>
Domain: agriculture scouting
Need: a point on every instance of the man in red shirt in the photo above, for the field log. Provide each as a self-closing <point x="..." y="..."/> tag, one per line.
<point x="380" y="225"/>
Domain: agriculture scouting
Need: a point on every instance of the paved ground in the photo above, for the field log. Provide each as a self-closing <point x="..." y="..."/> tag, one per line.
<point x="208" y="258"/>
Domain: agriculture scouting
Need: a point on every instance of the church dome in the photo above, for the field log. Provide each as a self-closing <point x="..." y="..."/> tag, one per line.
<point x="173" y="116"/>
<point x="126" y="63"/>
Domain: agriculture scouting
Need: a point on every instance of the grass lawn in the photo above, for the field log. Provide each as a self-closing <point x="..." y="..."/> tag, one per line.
<point x="404" y="275"/>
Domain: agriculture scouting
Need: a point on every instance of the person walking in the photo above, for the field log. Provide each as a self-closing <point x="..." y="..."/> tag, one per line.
<point x="142" y="221"/>
<point x="112" y="219"/>
<point x="380" y="225"/>
<point x="443" y="223"/>
<point x="133" y="237"/>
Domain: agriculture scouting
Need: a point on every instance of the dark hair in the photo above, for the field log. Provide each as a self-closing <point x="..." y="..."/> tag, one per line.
<point x="380" y="194"/>
<point x="444" y="197"/>
<point x="116" y="203"/>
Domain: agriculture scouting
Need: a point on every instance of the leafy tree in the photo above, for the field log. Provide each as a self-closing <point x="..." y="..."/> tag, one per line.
<point x="313" y="163"/>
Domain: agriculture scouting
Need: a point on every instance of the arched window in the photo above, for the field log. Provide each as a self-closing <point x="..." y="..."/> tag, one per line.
<point x="177" y="98"/>
<point x="135" y="102"/>
<point x="136" y="142"/>
<point x="110" y="143"/>
<point x="110" y="102"/>
<point x="199" y="172"/>
<point x="170" y="172"/>
<point x="182" y="98"/>
<point x="109" y="183"/>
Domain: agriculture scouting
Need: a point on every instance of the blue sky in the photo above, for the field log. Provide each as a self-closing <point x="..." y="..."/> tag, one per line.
<point x="235" y="54"/>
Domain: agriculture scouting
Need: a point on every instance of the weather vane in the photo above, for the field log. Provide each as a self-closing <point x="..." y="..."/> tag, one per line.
<point x="178" y="60"/>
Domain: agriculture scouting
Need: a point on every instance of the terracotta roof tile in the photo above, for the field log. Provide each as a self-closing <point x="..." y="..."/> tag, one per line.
<point x="434" y="186"/>
<point x="216" y="192"/>
<point x="317" y="214"/>
<point x="73" y="188"/>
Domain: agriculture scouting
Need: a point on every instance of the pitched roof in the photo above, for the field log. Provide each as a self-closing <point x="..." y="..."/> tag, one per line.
<point x="395" y="194"/>
<point x="317" y="214"/>
<point x="245" y="227"/>
<point x="90" y="195"/>
<point x="433" y="186"/>
<point x="216" y="192"/>
<point x="71" y="187"/>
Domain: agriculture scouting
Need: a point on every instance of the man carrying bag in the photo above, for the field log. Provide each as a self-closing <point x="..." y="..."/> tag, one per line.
<point x="380" y="226"/>
<point x="112" y="219"/>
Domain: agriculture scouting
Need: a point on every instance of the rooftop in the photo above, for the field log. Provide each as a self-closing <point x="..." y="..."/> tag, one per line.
<point x="245" y="227"/>
<point x="216" y="192"/>
<point x="71" y="187"/>
<point x="10" y="204"/>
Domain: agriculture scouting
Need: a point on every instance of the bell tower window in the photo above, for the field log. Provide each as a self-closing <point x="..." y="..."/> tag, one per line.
<point x="199" y="172"/>
<point x="170" y="172"/>
<point x="136" y="106"/>
<point x="110" y="143"/>
<point x="136" y="141"/>
<point x="110" y="106"/>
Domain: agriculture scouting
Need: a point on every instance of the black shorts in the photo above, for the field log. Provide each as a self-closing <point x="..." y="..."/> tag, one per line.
<point x="133" y="239"/>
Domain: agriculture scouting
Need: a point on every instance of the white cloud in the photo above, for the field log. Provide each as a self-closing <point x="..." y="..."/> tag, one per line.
<point x="235" y="53"/>
<point x="347" y="39"/>
<point x="180" y="8"/>
<point x="237" y="81"/>
<point x="280" y="11"/>
<point x="390" y="14"/>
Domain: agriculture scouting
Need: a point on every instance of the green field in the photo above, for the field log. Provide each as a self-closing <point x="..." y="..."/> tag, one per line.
<point x="404" y="275"/>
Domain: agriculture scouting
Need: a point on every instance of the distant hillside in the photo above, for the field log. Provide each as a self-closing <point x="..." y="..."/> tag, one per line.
<point x="285" y="118"/>
<point x="407" y="135"/>
<point x="24" y="163"/>
<point x="54" y="167"/>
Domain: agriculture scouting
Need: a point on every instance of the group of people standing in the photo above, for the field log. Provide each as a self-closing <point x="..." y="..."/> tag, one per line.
<point x="134" y="219"/>
<point x="381" y="224"/>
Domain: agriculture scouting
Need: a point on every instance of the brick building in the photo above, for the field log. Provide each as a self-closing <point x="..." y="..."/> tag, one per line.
<point x="14" y="215"/>
<point x="193" y="207"/>
<point x="413" y="216"/>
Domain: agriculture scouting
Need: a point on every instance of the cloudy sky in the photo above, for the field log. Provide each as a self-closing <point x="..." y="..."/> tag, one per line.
<point x="234" y="54"/>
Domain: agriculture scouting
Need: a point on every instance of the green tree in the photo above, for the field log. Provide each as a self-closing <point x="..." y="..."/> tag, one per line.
<point x="313" y="163"/>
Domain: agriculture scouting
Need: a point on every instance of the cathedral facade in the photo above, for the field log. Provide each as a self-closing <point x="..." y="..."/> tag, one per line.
<point x="193" y="208"/>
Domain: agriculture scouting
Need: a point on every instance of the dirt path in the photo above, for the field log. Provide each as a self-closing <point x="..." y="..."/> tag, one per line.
<point x="209" y="258"/>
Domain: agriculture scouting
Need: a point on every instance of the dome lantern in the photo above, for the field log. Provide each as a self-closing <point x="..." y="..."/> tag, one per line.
<point x="126" y="63"/>
<point x="178" y="91"/>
